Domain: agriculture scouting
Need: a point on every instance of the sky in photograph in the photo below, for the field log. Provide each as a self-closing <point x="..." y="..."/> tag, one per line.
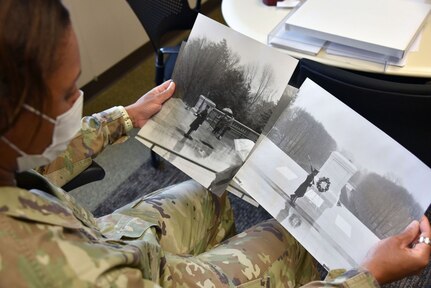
<point x="249" y="50"/>
<point x="367" y="146"/>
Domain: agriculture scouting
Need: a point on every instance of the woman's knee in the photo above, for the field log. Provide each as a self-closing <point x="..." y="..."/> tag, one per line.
<point x="188" y="189"/>
<point x="266" y="252"/>
<point x="190" y="218"/>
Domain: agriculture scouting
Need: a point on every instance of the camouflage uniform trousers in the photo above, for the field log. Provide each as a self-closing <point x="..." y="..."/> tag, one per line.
<point x="194" y="222"/>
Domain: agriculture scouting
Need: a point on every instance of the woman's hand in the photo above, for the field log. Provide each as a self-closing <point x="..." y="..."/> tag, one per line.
<point x="398" y="256"/>
<point x="150" y="103"/>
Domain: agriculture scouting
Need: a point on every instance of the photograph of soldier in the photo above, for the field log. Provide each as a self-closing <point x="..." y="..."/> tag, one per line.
<point x="308" y="182"/>
<point x="217" y="69"/>
<point x="200" y="118"/>
<point x="224" y="123"/>
<point x="356" y="191"/>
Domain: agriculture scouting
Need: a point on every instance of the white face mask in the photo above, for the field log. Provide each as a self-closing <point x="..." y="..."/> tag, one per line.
<point x="66" y="126"/>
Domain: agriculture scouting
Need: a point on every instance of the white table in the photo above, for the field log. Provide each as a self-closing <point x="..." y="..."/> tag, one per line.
<point x="256" y="20"/>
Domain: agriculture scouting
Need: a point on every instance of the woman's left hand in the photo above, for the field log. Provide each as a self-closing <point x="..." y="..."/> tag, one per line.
<point x="394" y="258"/>
<point x="150" y="103"/>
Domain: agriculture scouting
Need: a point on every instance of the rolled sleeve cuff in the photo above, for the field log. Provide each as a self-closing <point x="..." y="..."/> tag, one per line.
<point x="115" y="113"/>
<point x="352" y="278"/>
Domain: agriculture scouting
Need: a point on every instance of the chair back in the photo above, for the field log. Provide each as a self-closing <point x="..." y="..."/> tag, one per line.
<point x="161" y="16"/>
<point x="401" y="110"/>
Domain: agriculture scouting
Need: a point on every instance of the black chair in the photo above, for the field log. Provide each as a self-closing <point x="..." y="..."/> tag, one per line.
<point x="159" y="17"/>
<point x="401" y="110"/>
<point x="93" y="173"/>
<point x="28" y="180"/>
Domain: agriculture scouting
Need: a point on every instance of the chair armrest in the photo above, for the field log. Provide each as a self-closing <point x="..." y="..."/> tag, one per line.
<point x="93" y="173"/>
<point x="28" y="180"/>
<point x="169" y="50"/>
<point x="160" y="61"/>
<point x="198" y="6"/>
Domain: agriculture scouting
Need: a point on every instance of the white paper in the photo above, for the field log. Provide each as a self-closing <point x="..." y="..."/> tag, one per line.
<point x="243" y="147"/>
<point x="386" y="26"/>
<point x="351" y="52"/>
<point x="287" y="4"/>
<point x="296" y="41"/>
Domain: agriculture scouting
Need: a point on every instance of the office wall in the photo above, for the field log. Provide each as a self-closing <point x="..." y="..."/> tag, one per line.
<point x="107" y="31"/>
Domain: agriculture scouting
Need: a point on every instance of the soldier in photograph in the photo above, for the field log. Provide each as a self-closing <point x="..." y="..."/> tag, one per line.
<point x="302" y="189"/>
<point x="200" y="118"/>
<point x="223" y="125"/>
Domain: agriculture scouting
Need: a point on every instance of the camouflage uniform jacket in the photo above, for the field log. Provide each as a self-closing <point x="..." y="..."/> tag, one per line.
<point x="49" y="240"/>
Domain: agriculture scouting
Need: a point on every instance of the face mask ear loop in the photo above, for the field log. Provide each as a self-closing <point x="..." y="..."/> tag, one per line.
<point x="31" y="109"/>
<point x="13" y="146"/>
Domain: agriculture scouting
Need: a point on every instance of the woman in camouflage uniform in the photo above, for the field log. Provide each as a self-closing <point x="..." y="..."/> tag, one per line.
<point x="169" y="238"/>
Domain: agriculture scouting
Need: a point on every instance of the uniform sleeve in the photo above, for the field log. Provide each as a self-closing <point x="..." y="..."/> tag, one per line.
<point x="355" y="278"/>
<point x="97" y="132"/>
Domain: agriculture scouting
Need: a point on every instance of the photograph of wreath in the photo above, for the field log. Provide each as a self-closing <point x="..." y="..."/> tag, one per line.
<point x="323" y="184"/>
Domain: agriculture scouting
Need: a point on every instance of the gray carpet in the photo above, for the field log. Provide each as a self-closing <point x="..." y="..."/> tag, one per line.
<point x="147" y="179"/>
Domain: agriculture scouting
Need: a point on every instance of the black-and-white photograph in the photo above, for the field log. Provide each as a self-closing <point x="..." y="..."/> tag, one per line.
<point x="333" y="179"/>
<point x="227" y="87"/>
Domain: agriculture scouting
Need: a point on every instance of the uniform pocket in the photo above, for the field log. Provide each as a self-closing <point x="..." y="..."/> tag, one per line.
<point x="123" y="227"/>
<point x="256" y="283"/>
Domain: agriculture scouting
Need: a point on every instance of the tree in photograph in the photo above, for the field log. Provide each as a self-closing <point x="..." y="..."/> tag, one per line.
<point x="382" y="205"/>
<point x="259" y="114"/>
<point x="202" y="69"/>
<point x="263" y="80"/>
<point x="213" y="69"/>
<point x="302" y="137"/>
<point x="232" y="92"/>
<point x="187" y="65"/>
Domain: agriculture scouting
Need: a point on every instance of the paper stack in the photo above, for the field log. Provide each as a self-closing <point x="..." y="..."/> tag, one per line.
<point x="379" y="30"/>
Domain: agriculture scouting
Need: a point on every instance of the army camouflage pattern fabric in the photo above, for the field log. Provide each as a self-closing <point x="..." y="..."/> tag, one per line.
<point x="174" y="237"/>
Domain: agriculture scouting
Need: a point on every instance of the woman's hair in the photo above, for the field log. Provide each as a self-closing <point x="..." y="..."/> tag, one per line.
<point x="31" y="32"/>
